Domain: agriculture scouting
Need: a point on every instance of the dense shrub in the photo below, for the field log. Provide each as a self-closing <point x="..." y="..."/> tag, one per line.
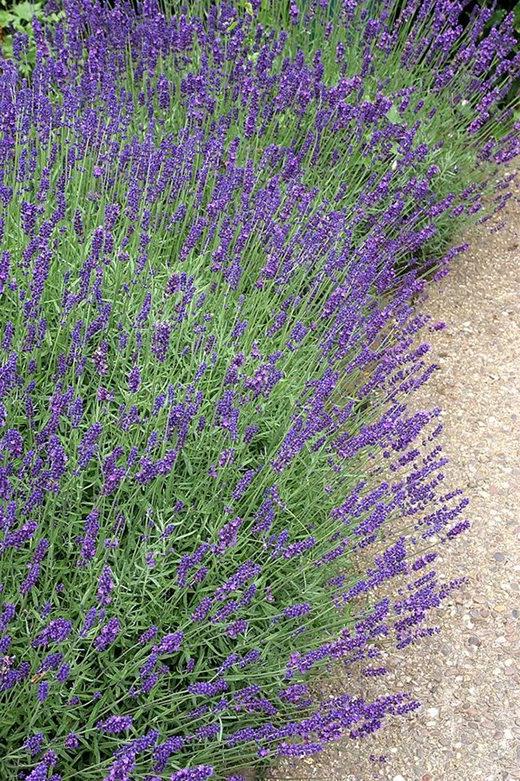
<point x="206" y="355"/>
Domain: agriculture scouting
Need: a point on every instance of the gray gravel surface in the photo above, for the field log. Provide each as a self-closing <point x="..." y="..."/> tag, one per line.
<point x="468" y="676"/>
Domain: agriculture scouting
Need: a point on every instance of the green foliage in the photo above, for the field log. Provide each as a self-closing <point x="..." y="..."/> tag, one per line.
<point x="17" y="18"/>
<point x="112" y="176"/>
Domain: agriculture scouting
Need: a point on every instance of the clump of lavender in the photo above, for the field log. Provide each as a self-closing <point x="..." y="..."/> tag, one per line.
<point x="206" y="354"/>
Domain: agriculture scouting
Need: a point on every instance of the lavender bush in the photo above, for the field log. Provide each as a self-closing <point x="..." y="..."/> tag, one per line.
<point x="208" y="464"/>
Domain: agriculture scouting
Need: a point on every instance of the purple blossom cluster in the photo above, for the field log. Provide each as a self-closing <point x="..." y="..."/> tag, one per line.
<point x="212" y="234"/>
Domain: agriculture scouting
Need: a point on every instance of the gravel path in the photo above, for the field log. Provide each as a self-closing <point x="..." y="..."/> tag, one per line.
<point x="468" y="675"/>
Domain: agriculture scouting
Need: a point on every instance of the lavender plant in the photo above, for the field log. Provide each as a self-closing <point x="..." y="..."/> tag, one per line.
<point x="206" y="357"/>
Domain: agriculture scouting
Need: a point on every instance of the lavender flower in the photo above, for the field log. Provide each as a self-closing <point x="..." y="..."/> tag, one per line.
<point x="43" y="690"/>
<point x="71" y="742"/>
<point x="88" y="445"/>
<point x="108" y="635"/>
<point x="232" y="233"/>
<point x="105" y="586"/>
<point x="34" y="744"/>
<point x="57" y="631"/>
<point x="164" y="751"/>
<point x="160" y="342"/>
<point x="114" y="724"/>
<point x="170" y="643"/>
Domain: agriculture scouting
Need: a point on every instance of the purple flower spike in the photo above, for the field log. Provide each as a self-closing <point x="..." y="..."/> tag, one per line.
<point x="170" y="643"/>
<point x="35" y="743"/>
<point x="114" y="724"/>
<point x="216" y="232"/>
<point x="108" y="635"/>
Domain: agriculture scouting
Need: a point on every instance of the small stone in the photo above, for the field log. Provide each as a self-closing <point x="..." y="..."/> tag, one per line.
<point x="247" y="773"/>
<point x="433" y="713"/>
<point x="398" y="778"/>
